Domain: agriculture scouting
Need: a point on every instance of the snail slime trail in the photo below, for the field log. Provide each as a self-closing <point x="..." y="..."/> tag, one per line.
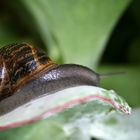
<point x="26" y="73"/>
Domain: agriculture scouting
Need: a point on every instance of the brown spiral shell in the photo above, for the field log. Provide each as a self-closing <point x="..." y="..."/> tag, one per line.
<point x="27" y="73"/>
<point x="18" y="64"/>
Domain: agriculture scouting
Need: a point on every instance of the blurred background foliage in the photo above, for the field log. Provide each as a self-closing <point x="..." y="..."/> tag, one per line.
<point x="103" y="35"/>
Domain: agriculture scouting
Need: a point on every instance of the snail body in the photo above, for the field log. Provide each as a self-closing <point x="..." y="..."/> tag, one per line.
<point x="27" y="73"/>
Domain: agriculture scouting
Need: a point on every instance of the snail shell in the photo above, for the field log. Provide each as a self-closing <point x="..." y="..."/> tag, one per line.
<point x="27" y="73"/>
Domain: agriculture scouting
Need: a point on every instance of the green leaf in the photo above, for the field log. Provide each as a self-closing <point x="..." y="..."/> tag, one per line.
<point x="40" y="131"/>
<point x="69" y="113"/>
<point x="77" y="30"/>
<point x="120" y="127"/>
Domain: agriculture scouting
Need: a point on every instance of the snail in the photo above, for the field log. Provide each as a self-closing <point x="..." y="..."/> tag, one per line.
<point x="26" y="73"/>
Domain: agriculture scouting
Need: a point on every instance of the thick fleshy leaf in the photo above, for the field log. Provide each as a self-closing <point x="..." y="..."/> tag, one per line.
<point x="89" y="100"/>
<point x="120" y="127"/>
